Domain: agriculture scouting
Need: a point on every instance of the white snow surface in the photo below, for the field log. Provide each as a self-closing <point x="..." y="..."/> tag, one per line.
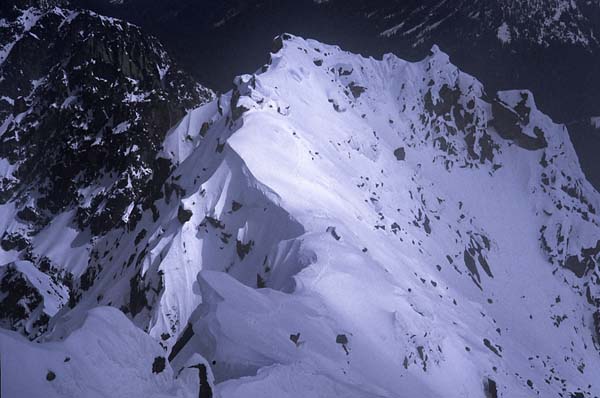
<point x="321" y="260"/>
<point x="100" y="357"/>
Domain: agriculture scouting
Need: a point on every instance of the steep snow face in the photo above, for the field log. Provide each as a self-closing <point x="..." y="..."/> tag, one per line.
<point x="451" y="237"/>
<point x="337" y="225"/>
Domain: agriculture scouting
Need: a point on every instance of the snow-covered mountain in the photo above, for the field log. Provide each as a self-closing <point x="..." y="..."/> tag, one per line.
<point x="85" y="102"/>
<point x="332" y="226"/>
<point x="474" y="32"/>
<point x="550" y="47"/>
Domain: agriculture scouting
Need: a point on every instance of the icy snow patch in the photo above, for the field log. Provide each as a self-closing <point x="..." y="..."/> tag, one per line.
<point x="504" y="34"/>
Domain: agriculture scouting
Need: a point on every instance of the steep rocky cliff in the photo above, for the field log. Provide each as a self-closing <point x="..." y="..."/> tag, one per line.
<point x="85" y="103"/>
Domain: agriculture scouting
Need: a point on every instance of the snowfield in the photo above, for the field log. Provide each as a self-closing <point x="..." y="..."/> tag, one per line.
<point x="337" y="226"/>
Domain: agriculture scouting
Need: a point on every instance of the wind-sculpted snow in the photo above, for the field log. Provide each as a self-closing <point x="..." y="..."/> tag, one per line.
<point x="339" y="225"/>
<point x="83" y="364"/>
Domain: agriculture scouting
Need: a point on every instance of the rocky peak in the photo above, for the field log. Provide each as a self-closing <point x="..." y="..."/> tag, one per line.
<point x="80" y="128"/>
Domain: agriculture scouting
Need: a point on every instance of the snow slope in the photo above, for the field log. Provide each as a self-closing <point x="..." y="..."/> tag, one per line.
<point x="344" y="226"/>
<point x="83" y="364"/>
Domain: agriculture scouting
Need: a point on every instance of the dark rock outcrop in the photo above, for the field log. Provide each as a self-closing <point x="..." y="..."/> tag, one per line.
<point x="205" y="389"/>
<point x="184" y="215"/>
<point x="158" y="365"/>
<point x="509" y="123"/>
<point x="22" y="300"/>
<point x="400" y="154"/>
<point x="596" y="317"/>
<point x="490" y="388"/>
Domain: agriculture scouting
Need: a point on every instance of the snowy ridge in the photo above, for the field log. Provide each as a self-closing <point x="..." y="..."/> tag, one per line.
<point x="384" y="256"/>
<point x="84" y="365"/>
<point x="337" y="225"/>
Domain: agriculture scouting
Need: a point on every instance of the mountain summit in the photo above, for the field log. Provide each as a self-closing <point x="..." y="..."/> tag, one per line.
<point x="550" y="47"/>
